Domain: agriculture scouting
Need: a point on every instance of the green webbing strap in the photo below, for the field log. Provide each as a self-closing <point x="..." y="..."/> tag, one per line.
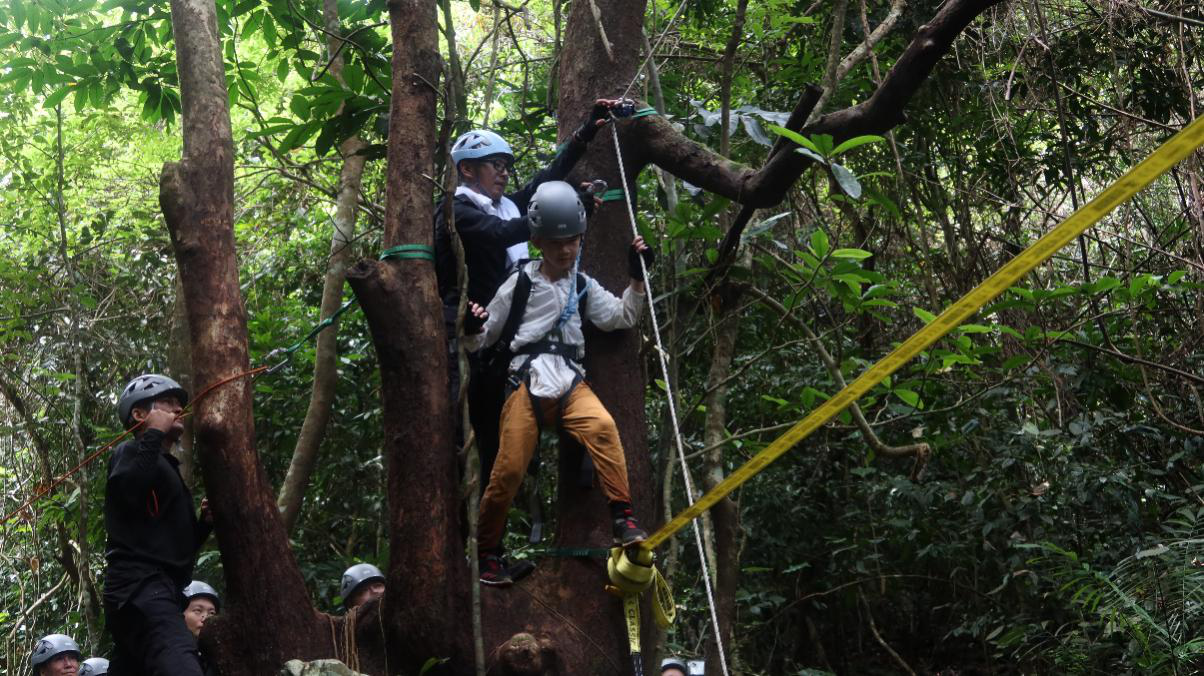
<point x="575" y="552"/>
<point x="645" y="112"/>
<point x="409" y="251"/>
<point x="318" y="328"/>
<point x="612" y="195"/>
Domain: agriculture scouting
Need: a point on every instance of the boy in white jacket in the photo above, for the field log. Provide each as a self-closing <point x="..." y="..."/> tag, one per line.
<point x="546" y="375"/>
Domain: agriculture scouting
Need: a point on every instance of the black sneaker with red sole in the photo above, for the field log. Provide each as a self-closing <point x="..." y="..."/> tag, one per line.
<point x="494" y="572"/>
<point x="626" y="531"/>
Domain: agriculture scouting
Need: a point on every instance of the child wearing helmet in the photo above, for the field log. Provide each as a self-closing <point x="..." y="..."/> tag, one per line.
<point x="546" y="378"/>
<point x="154" y="534"/>
<point x="492" y="226"/>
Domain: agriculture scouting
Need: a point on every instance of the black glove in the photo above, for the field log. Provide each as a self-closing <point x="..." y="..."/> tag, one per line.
<point x="589" y="128"/>
<point x="633" y="262"/>
<point x="472" y="323"/>
<point x="587" y="201"/>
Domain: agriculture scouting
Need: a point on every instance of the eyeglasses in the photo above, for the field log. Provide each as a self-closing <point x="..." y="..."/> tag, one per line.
<point x="500" y="165"/>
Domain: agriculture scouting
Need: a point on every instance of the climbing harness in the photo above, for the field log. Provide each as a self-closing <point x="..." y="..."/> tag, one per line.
<point x="672" y="404"/>
<point x="1159" y="162"/>
<point x="404" y="251"/>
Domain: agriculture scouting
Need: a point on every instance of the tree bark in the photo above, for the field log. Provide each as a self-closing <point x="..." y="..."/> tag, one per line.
<point x="326" y="349"/>
<point x="425" y="605"/>
<point x="264" y="588"/>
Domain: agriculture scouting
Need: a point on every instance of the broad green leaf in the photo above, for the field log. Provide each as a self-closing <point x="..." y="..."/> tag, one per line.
<point x="794" y="136"/>
<point x="805" y="152"/>
<point x="300" y="107"/>
<point x="819" y="243"/>
<point x="852" y="254"/>
<point x="924" y="315"/>
<point x="57" y="97"/>
<point x="974" y="328"/>
<point x="854" y="142"/>
<point x="848" y="182"/>
<point x="753" y="128"/>
<point x="909" y="397"/>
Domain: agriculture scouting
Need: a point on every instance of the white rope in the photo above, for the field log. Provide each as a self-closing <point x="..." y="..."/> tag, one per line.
<point x="681" y="454"/>
<point x="650" y="54"/>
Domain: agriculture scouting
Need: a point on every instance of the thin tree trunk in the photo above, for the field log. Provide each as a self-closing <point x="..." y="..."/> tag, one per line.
<point x="326" y="372"/>
<point x="459" y="91"/>
<point x="265" y="592"/>
<point x="89" y="599"/>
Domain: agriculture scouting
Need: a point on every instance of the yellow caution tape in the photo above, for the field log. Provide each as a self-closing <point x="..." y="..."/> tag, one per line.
<point x="1166" y="156"/>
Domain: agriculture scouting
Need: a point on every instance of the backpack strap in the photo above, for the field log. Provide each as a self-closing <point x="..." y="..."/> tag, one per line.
<point x="518" y="306"/>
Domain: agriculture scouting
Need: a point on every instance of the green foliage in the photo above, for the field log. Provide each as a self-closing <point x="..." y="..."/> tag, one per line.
<point x="1052" y="529"/>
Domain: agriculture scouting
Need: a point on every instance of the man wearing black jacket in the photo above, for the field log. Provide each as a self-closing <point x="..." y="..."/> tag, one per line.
<point x="154" y="536"/>
<point x="492" y="226"/>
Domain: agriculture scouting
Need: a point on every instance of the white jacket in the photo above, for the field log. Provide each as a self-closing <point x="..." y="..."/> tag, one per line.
<point x="552" y="375"/>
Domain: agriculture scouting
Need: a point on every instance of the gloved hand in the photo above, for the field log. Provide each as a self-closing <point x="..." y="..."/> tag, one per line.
<point x="590" y="196"/>
<point x="598" y="115"/>
<point x="474" y="318"/>
<point x="639" y="249"/>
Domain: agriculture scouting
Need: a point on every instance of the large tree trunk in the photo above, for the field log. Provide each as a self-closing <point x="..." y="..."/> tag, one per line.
<point x="265" y="593"/>
<point x="425" y="604"/>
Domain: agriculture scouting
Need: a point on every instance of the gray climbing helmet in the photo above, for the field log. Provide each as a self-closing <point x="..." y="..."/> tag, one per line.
<point x="197" y="588"/>
<point x="357" y="575"/>
<point x="145" y="388"/>
<point x="94" y="666"/>
<point x="50" y="647"/>
<point x="479" y="144"/>
<point x="555" y="211"/>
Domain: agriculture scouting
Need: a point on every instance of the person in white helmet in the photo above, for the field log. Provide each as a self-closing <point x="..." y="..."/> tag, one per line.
<point x="55" y="655"/>
<point x="201" y="603"/>
<point x="492" y="227"/>
<point x="361" y="583"/>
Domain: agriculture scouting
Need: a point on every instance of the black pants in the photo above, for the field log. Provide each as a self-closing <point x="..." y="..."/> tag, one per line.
<point x="486" y="395"/>
<point x="149" y="634"/>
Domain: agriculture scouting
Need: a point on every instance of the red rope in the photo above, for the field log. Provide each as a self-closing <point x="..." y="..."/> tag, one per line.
<point x="44" y="490"/>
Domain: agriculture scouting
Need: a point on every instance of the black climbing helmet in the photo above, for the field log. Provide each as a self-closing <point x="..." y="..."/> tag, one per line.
<point x="50" y="647"/>
<point x="556" y="211"/>
<point x="357" y="575"/>
<point x="145" y="388"/>
<point x="197" y="588"/>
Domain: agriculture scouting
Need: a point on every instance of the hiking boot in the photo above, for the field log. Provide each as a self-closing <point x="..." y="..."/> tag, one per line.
<point x="626" y="531"/>
<point x="494" y="572"/>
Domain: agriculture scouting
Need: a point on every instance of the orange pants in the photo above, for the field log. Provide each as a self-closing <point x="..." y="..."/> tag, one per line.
<point x="584" y="417"/>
